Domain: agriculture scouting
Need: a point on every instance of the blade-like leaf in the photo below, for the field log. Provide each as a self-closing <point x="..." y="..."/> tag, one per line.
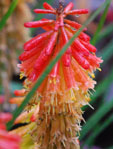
<point x="48" y="69"/>
<point x="101" y="23"/>
<point x="8" y="14"/>
<point x="91" y="123"/>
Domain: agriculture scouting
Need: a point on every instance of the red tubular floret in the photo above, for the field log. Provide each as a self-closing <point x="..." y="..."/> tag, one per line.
<point x="69" y="77"/>
<point x="81" y="60"/>
<point x="80" y="47"/>
<point x="78" y="12"/>
<point x="34" y="75"/>
<point x="84" y="37"/>
<point x="51" y="43"/>
<point x="94" y="61"/>
<point x="38" y="69"/>
<point x="74" y="24"/>
<point x="35" y="51"/>
<point x="19" y="92"/>
<point x="41" y="60"/>
<point x="90" y="47"/>
<point x="66" y="59"/>
<point x="38" y="23"/>
<point x="65" y="40"/>
<point x="48" y="27"/>
<point x="44" y="11"/>
<point x="68" y="7"/>
<point x="55" y="70"/>
<point x="36" y="40"/>
<point x="48" y="7"/>
<point x="68" y="27"/>
<point x="27" y="54"/>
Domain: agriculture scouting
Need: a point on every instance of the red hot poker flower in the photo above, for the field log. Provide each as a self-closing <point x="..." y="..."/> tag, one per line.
<point x="7" y="140"/>
<point x="54" y="112"/>
<point x="39" y="51"/>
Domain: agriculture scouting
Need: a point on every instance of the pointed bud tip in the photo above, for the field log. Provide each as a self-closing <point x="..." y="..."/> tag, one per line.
<point x="28" y="24"/>
<point x="33" y="118"/>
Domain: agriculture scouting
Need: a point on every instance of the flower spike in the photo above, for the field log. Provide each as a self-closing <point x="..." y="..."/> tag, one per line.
<point x="7" y="139"/>
<point x="54" y="112"/>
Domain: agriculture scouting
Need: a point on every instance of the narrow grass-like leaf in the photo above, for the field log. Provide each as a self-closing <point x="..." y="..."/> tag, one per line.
<point x="97" y="131"/>
<point x="48" y="69"/>
<point x="91" y="123"/>
<point x="101" y="23"/>
<point x="8" y="13"/>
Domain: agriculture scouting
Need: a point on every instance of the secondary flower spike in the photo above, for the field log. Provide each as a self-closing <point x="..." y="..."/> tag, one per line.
<point x="7" y="140"/>
<point x="54" y="112"/>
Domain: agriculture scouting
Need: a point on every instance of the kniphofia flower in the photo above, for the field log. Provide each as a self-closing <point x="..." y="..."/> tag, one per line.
<point x="54" y="112"/>
<point x="7" y="140"/>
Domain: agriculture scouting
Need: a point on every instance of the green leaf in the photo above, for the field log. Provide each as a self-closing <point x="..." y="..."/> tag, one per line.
<point x="98" y="130"/>
<point x="8" y="14"/>
<point x="48" y="69"/>
<point x="101" y="23"/>
<point x="91" y="123"/>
